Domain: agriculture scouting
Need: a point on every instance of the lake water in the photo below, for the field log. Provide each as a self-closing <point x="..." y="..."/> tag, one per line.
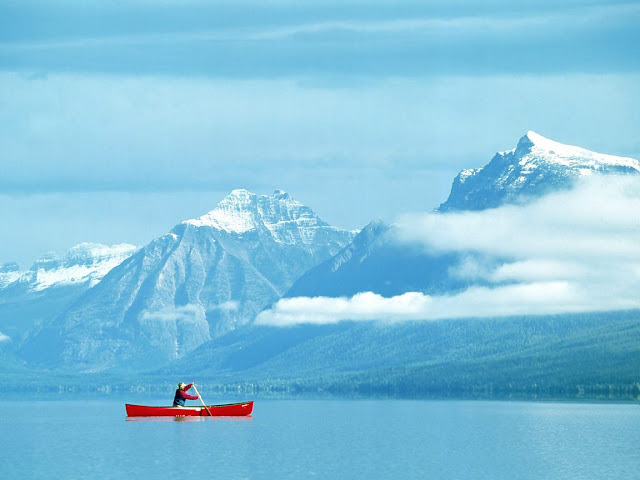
<point x="332" y="439"/>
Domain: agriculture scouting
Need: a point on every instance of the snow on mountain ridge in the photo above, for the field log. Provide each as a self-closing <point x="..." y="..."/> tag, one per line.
<point x="241" y="211"/>
<point x="534" y="145"/>
<point x="469" y="172"/>
<point x="93" y="253"/>
<point x="9" y="277"/>
<point x="205" y="278"/>
<point x="536" y="166"/>
<point x="233" y="214"/>
<point x="85" y="262"/>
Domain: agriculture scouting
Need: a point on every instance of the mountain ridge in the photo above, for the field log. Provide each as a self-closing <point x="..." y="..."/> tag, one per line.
<point x="189" y="296"/>
<point x="31" y="298"/>
<point x="201" y="280"/>
<point x="536" y="166"/>
<point x="377" y="262"/>
<point x="84" y="262"/>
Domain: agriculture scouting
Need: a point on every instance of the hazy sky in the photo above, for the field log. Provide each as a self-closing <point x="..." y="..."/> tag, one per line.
<point x="119" y="120"/>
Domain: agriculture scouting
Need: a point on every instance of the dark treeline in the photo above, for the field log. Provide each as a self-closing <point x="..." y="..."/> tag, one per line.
<point x="574" y="357"/>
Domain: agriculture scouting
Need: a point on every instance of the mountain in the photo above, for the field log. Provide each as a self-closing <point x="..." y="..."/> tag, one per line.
<point x="31" y="297"/>
<point x="376" y="262"/>
<point x="553" y="355"/>
<point x="587" y="355"/>
<point x="85" y="263"/>
<point x="535" y="167"/>
<point x="204" y="278"/>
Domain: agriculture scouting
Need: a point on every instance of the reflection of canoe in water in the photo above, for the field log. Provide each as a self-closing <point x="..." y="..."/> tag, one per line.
<point x="228" y="410"/>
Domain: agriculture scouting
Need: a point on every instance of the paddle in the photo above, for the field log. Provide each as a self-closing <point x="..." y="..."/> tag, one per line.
<point x="200" y="397"/>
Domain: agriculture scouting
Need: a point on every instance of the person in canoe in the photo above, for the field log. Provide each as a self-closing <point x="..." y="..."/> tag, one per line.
<point x="182" y="395"/>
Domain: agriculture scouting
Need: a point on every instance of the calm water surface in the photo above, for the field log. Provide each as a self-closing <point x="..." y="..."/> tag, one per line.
<point x="324" y="439"/>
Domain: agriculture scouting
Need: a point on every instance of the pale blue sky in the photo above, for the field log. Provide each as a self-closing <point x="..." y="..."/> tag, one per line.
<point x="118" y="121"/>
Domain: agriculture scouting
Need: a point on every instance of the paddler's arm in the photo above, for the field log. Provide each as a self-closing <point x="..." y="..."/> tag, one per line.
<point x="187" y="396"/>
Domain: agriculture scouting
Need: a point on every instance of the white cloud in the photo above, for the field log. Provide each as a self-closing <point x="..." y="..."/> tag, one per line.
<point x="228" y="306"/>
<point x="190" y="312"/>
<point x="4" y="338"/>
<point x="538" y="270"/>
<point x="573" y="251"/>
<point x="476" y="302"/>
<point x="596" y="221"/>
<point x="587" y="238"/>
<point x="174" y="314"/>
<point x="363" y="306"/>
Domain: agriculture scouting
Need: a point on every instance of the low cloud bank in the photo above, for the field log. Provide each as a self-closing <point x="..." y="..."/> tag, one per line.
<point x="573" y="251"/>
<point x="596" y="221"/>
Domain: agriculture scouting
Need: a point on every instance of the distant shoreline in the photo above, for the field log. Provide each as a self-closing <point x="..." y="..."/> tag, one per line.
<point x="75" y="386"/>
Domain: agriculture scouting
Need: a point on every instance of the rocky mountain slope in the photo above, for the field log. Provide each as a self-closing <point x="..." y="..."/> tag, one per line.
<point x="205" y="278"/>
<point x="376" y="262"/>
<point x="536" y="166"/>
<point x="33" y="296"/>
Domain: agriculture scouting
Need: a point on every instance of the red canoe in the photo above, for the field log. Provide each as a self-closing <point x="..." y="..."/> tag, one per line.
<point x="228" y="410"/>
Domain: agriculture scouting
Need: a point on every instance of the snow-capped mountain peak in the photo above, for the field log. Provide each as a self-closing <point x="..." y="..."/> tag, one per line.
<point x="234" y="214"/>
<point x="205" y="278"/>
<point x="537" y="165"/>
<point x="242" y="211"/>
<point x="281" y="194"/>
<point x="535" y="146"/>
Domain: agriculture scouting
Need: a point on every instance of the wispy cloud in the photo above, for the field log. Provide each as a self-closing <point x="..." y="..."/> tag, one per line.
<point x="574" y="18"/>
<point x="574" y="251"/>
<point x="376" y="42"/>
<point x="228" y="306"/>
<point x="4" y="338"/>
<point x="433" y="23"/>
<point x="185" y="313"/>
